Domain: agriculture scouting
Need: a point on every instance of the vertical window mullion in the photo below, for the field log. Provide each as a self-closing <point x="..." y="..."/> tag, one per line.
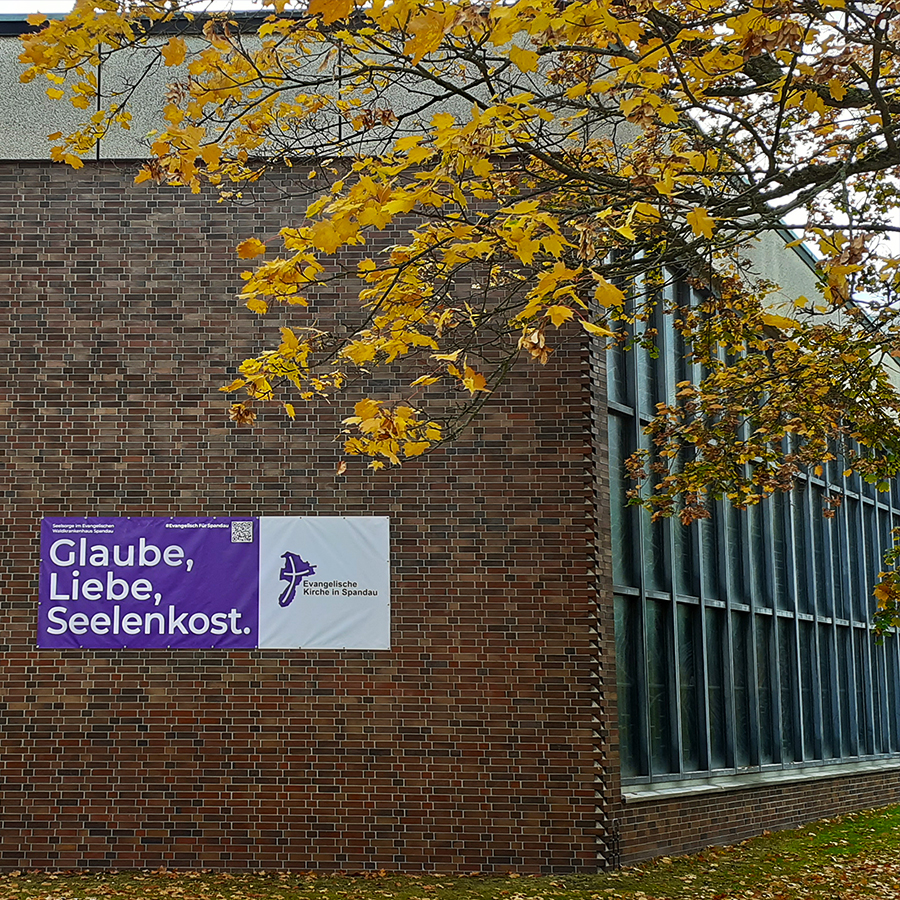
<point x="842" y="609"/>
<point x="703" y="687"/>
<point x="775" y="664"/>
<point x="857" y="602"/>
<point x="642" y="582"/>
<point x="791" y="717"/>
<point x="703" y="579"/>
<point x="665" y="384"/>
<point x="892" y="654"/>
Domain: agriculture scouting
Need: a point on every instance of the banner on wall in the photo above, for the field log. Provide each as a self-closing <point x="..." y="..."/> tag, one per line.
<point x="307" y="582"/>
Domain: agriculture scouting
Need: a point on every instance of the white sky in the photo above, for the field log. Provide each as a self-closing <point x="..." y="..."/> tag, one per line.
<point x="30" y="6"/>
<point x="17" y="7"/>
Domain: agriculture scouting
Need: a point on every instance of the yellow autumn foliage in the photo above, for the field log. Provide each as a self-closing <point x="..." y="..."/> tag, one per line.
<point x="495" y="180"/>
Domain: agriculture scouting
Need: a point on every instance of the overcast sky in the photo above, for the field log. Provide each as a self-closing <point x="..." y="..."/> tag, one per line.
<point x="15" y="7"/>
<point x="30" y="6"/>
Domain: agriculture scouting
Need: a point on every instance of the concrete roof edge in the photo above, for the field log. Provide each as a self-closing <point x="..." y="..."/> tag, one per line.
<point x="13" y="24"/>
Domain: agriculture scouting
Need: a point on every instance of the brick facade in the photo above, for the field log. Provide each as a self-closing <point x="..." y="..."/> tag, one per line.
<point x="468" y="745"/>
<point x="688" y="823"/>
<point x="484" y="739"/>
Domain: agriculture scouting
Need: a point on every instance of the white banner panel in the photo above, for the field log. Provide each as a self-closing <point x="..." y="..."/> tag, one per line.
<point x="324" y="582"/>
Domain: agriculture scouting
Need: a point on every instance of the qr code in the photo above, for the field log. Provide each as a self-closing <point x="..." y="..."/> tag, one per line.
<point x="241" y="532"/>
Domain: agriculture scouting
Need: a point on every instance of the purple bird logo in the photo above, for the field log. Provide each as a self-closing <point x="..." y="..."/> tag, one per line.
<point x="294" y="570"/>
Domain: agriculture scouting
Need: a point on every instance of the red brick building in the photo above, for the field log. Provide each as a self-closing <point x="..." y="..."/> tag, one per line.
<point x="490" y="735"/>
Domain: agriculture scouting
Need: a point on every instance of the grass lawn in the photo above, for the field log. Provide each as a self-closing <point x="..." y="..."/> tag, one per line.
<point x="856" y="856"/>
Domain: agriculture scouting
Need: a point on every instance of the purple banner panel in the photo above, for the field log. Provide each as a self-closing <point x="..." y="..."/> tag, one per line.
<point x="149" y="583"/>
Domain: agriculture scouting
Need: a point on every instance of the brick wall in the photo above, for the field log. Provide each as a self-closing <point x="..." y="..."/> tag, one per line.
<point x="653" y="827"/>
<point x="469" y="745"/>
<point x="484" y="739"/>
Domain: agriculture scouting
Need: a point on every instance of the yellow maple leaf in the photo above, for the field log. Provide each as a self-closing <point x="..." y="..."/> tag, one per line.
<point x="668" y="114"/>
<point x="360" y="352"/>
<point x="427" y="30"/>
<point x="174" y="52"/>
<point x="443" y="120"/>
<point x="375" y="214"/>
<point x="554" y="244"/>
<point x="559" y="315"/>
<point x="250" y="248"/>
<point x="591" y="328"/>
<point x="415" y="448"/>
<point x="289" y="341"/>
<point x="524" y="60"/>
<point x="211" y="155"/>
<point x="331" y="10"/>
<point x="449" y="357"/>
<point x="367" y="409"/>
<point x="474" y="381"/>
<point x="701" y="222"/>
<point x="506" y="23"/>
<point x="407" y="143"/>
<point x="325" y="236"/>
<point x="607" y="294"/>
<point x="289" y="409"/>
<point x="780" y="322"/>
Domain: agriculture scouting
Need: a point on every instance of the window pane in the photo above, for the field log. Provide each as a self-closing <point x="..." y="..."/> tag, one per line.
<point x="781" y="559"/>
<point x="656" y="570"/>
<point x="744" y="719"/>
<point x="787" y="669"/>
<point x="765" y="688"/>
<point x="648" y="381"/>
<point x="808" y="690"/>
<point x="689" y="669"/>
<point x="801" y="549"/>
<point x="845" y="692"/>
<point x="759" y="556"/>
<point x="622" y="517"/>
<point x="716" y="648"/>
<point x="659" y="667"/>
<point x="862" y="690"/>
<point x="830" y="743"/>
<point x="618" y="383"/>
<point x="887" y="541"/>
<point x="879" y="697"/>
<point x="821" y="556"/>
<point x="735" y="540"/>
<point x="857" y="585"/>
<point x="893" y="677"/>
<point x="836" y="528"/>
<point x="681" y="364"/>
<point x="688" y="581"/>
<point x="710" y="551"/>
<point x="629" y="666"/>
<point x="873" y="564"/>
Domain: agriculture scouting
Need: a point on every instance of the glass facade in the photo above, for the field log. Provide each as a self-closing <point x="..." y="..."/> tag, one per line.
<point x="743" y="641"/>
